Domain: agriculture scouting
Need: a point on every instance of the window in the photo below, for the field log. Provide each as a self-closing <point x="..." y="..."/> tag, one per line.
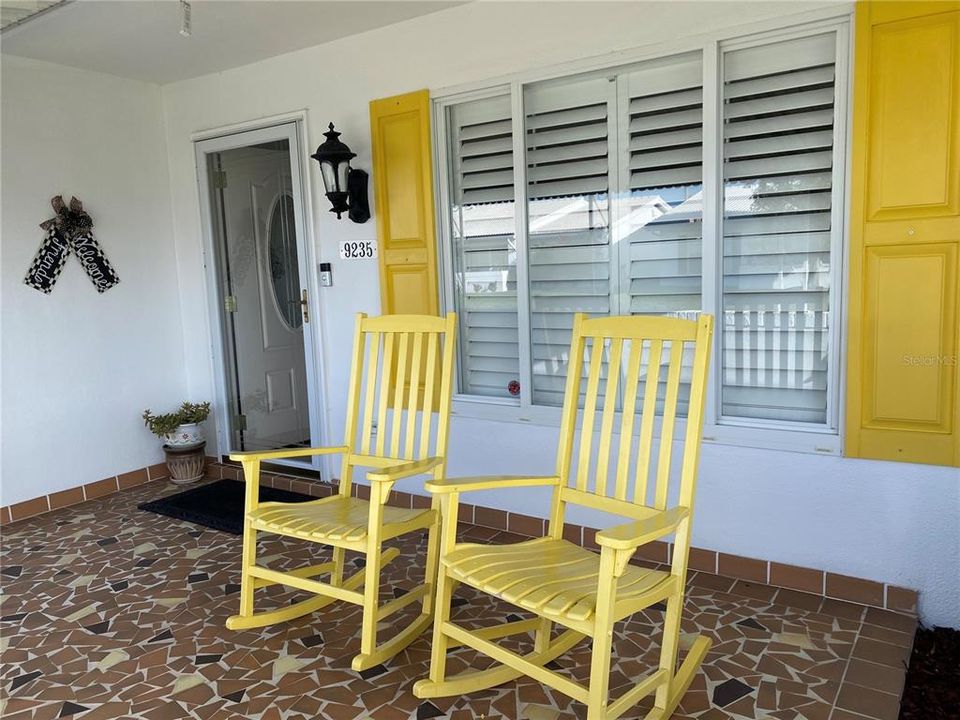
<point x="484" y="245"/>
<point x="606" y="209"/>
<point x="778" y="117"/>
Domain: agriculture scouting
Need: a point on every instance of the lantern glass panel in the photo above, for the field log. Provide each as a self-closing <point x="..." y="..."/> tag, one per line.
<point x="343" y="169"/>
<point x="329" y="176"/>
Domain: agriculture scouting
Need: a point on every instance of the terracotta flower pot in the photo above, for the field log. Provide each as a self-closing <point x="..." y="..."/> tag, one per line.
<point x="185" y="463"/>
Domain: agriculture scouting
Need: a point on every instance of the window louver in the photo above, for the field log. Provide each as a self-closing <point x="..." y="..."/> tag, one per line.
<point x="777" y="167"/>
<point x="664" y="209"/>
<point x="568" y="220"/>
<point x="484" y="247"/>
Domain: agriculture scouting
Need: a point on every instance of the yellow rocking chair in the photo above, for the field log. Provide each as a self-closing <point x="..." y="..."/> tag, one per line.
<point x="560" y="582"/>
<point x="400" y="396"/>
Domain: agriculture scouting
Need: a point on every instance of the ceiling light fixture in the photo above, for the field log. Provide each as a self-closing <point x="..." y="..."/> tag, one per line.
<point x="185" y="22"/>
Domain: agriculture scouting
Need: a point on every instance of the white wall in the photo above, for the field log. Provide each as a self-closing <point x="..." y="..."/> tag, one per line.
<point x="79" y="367"/>
<point x="891" y="522"/>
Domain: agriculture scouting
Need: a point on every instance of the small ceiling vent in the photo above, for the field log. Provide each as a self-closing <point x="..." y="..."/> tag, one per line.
<point x="15" y="12"/>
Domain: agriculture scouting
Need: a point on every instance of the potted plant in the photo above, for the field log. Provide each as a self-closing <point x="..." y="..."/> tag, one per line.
<point x="183" y="439"/>
<point x="180" y="428"/>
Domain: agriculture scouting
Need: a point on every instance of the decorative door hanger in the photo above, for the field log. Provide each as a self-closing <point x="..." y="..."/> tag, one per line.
<point x="70" y="230"/>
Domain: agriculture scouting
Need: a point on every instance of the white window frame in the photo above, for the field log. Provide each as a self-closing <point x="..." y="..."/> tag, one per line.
<point x="779" y="435"/>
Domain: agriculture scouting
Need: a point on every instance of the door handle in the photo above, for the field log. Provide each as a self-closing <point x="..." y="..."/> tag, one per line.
<point x="304" y="306"/>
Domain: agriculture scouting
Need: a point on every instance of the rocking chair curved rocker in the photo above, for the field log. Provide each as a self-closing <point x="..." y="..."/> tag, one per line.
<point x="409" y="364"/>
<point x="560" y="582"/>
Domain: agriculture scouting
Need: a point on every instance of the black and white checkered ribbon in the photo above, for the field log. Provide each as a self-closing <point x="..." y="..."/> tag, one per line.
<point x="70" y="231"/>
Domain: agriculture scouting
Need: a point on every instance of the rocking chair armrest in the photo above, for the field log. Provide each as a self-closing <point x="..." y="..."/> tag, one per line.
<point x="632" y="535"/>
<point x="285" y="453"/>
<point x="488" y="482"/>
<point x="404" y="470"/>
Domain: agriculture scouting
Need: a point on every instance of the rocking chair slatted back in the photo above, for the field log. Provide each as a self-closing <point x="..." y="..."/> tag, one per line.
<point x="614" y="355"/>
<point x="393" y="393"/>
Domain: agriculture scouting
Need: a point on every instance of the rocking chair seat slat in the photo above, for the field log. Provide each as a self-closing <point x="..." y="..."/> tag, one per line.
<point x="553" y="578"/>
<point x="334" y="519"/>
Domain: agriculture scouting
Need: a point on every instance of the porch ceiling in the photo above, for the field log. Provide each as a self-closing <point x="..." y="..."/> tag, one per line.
<point x="141" y="39"/>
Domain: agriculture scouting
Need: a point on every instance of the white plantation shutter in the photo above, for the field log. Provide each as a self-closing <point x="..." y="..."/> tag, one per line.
<point x="662" y="219"/>
<point x="614" y="201"/>
<point x="569" y="250"/>
<point x="778" y="116"/>
<point x="480" y="148"/>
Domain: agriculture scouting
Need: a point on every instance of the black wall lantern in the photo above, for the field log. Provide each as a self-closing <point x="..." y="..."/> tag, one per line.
<point x="346" y="188"/>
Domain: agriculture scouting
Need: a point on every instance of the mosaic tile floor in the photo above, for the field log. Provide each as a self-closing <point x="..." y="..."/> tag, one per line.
<point x="110" y="612"/>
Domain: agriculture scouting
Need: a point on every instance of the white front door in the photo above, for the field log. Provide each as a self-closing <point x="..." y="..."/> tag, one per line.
<point x="268" y="318"/>
<point x="254" y="201"/>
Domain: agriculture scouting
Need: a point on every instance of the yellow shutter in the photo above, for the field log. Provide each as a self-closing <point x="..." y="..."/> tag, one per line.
<point x="403" y="192"/>
<point x="903" y="400"/>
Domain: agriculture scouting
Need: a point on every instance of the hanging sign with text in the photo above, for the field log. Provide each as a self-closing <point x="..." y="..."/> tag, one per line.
<point x="70" y="231"/>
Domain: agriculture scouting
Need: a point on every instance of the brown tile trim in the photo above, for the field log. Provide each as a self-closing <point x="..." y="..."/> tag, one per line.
<point x="158" y="471"/>
<point x="133" y="478"/>
<point x="65" y="498"/>
<point x="29" y="508"/>
<point x="743" y="568"/>
<point x="101" y="488"/>
<point x="90" y="491"/>
<point x="901" y="599"/>
<point x="802" y="587"/>
<point x="589" y="537"/>
<point x="490" y="517"/>
<point x="796" y="578"/>
<point x="656" y="551"/>
<point x="700" y="559"/>
<point x="525" y="525"/>
<point x="573" y="533"/>
<point x="858" y="590"/>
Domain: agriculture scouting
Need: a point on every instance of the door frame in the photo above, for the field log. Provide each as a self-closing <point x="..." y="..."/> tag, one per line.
<point x="290" y="127"/>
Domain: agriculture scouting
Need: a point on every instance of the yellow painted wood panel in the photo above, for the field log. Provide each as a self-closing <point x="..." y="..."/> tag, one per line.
<point x="903" y="394"/>
<point x="914" y="123"/>
<point x="403" y="191"/>
<point x="904" y="283"/>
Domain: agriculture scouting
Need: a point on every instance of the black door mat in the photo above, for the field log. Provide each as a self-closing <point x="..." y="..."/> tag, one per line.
<point x="218" y="505"/>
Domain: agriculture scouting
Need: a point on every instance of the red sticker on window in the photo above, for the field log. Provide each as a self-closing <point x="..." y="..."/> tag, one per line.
<point x="513" y="387"/>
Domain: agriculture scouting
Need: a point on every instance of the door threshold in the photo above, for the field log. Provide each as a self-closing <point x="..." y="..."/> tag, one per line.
<point x="283" y="467"/>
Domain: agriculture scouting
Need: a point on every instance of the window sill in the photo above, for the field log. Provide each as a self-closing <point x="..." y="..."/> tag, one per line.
<point x="814" y="441"/>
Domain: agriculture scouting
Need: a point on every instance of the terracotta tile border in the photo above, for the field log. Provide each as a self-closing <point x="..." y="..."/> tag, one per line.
<point x="796" y="578"/>
<point x="29" y="508"/>
<point x="794" y="586"/>
<point x="864" y="592"/>
<point x="801" y="587"/>
<point x="65" y="498"/>
<point x="91" y="491"/>
<point x="888" y="606"/>
<point x="743" y="568"/>
<point x="901" y="599"/>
